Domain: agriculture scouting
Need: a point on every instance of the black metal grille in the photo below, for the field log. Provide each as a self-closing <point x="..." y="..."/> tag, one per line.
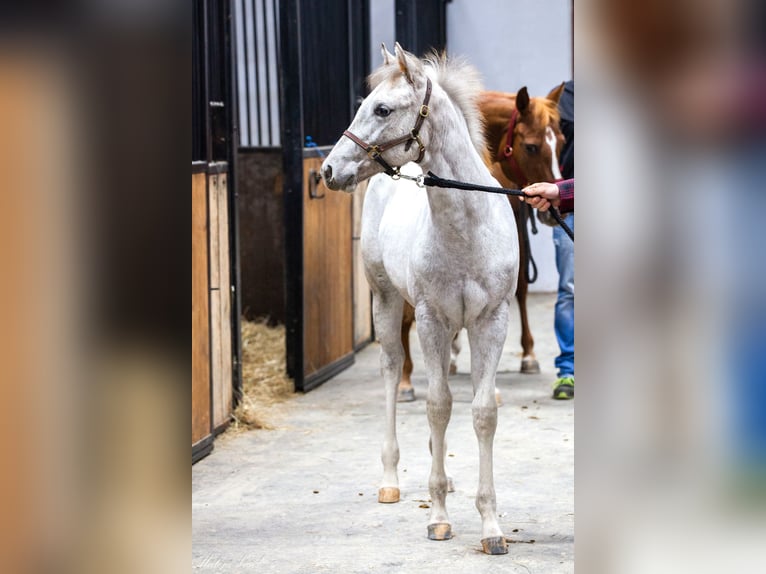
<point x="257" y="72"/>
<point x="333" y="64"/>
<point x="334" y="55"/>
<point x="421" y="25"/>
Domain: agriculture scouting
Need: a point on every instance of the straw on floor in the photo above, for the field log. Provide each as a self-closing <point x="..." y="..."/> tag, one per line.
<point x="265" y="383"/>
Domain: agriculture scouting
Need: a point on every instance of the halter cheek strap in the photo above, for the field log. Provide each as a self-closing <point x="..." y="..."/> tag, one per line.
<point x="374" y="151"/>
<point x="521" y="179"/>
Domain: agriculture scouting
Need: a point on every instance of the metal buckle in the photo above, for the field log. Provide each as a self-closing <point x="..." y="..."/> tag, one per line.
<point x="373" y="152"/>
<point x="424" y="111"/>
<point x="508" y="151"/>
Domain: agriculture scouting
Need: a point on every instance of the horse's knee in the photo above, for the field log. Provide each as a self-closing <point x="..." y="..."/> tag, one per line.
<point x="391" y="359"/>
<point x="485" y="418"/>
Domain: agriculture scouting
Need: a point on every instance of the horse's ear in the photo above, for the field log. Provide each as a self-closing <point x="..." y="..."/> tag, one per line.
<point x="555" y="94"/>
<point x="408" y="64"/>
<point x="388" y="57"/>
<point x="522" y="100"/>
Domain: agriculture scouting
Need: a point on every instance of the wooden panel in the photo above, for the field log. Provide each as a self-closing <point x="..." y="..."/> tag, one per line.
<point x="362" y="294"/>
<point x="200" y="312"/>
<point x="220" y="300"/>
<point x="328" y="303"/>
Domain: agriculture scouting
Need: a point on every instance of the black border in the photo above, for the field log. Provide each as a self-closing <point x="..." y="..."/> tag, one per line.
<point x="328" y="371"/>
<point x="292" y="168"/>
<point x="202" y="448"/>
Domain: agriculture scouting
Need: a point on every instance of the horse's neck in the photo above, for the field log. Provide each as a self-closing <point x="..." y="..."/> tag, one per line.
<point x="456" y="158"/>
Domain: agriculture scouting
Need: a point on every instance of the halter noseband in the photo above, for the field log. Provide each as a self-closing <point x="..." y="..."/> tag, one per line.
<point x="508" y="151"/>
<point x="374" y="151"/>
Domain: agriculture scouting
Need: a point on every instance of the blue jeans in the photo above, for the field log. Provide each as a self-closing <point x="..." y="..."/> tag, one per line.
<point x="564" y="318"/>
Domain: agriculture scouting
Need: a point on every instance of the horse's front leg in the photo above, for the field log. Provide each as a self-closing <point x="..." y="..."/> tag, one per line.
<point x="387" y="314"/>
<point x="486" y="338"/>
<point x="435" y="338"/>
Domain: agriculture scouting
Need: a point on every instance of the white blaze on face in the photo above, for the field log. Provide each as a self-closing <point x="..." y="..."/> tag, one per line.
<point x="550" y="139"/>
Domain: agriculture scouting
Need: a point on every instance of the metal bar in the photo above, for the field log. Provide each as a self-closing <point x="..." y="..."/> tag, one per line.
<point x="205" y="82"/>
<point x="209" y="152"/>
<point x="233" y="146"/>
<point x="275" y="27"/>
<point x="350" y="61"/>
<point x="243" y="25"/>
<point x="257" y="72"/>
<point x="268" y="70"/>
<point x="252" y="139"/>
<point x="292" y="145"/>
<point x="406" y="25"/>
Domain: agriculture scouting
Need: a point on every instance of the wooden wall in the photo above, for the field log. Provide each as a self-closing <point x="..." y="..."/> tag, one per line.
<point x="336" y="299"/>
<point x="201" y="421"/>
<point x="212" y="356"/>
<point x="220" y="299"/>
<point x="328" y="281"/>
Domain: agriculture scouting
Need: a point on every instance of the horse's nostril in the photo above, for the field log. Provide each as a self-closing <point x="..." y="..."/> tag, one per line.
<point x="327" y="172"/>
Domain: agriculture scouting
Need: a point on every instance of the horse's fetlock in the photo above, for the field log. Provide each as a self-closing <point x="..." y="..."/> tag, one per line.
<point x="485" y="500"/>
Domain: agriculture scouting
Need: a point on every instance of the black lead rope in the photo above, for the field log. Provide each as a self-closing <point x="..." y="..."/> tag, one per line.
<point x="526" y="213"/>
<point x="432" y="180"/>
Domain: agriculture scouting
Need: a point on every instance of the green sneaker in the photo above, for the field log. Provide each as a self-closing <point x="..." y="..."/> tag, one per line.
<point x="563" y="388"/>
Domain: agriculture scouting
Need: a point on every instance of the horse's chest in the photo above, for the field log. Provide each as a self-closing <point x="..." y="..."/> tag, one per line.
<point x="461" y="286"/>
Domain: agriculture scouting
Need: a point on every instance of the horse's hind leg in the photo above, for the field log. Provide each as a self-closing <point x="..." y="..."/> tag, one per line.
<point x="529" y="364"/>
<point x="405" y="393"/>
<point x="435" y="339"/>
<point x="455" y="348"/>
<point x="486" y="338"/>
<point x="387" y="313"/>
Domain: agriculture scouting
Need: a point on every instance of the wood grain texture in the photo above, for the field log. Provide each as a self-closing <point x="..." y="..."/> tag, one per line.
<point x="328" y="274"/>
<point x="220" y="299"/>
<point x="201" y="426"/>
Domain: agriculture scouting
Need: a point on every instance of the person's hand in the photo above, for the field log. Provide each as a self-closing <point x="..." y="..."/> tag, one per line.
<point x="543" y="195"/>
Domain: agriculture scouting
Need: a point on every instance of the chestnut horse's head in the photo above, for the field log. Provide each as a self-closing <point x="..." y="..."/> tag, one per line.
<point x="531" y="153"/>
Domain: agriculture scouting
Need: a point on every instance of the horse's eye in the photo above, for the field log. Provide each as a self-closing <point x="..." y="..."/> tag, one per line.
<point x="531" y="148"/>
<point x="382" y="111"/>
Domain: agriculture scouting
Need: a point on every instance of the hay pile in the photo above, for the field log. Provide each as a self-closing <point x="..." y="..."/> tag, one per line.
<point x="264" y="380"/>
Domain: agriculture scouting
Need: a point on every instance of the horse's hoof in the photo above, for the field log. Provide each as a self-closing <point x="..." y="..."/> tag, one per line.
<point x="450" y="484"/>
<point x="388" y="494"/>
<point x="405" y="395"/>
<point x="439" y="531"/>
<point x="530" y="366"/>
<point x="494" y="545"/>
<point x="452" y="368"/>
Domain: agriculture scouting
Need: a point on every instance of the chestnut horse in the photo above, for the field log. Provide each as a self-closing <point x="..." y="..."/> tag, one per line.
<point x="530" y="156"/>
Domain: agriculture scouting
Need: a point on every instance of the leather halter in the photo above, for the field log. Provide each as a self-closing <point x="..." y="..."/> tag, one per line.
<point x="374" y="151"/>
<point x="521" y="179"/>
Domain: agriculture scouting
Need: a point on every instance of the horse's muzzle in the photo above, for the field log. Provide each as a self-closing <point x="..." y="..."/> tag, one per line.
<point x="332" y="181"/>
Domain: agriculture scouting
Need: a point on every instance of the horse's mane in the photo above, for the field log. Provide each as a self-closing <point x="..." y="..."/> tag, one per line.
<point x="459" y="79"/>
<point x="463" y="84"/>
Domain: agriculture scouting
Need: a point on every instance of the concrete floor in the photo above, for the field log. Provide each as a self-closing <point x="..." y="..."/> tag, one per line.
<point x="303" y="498"/>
